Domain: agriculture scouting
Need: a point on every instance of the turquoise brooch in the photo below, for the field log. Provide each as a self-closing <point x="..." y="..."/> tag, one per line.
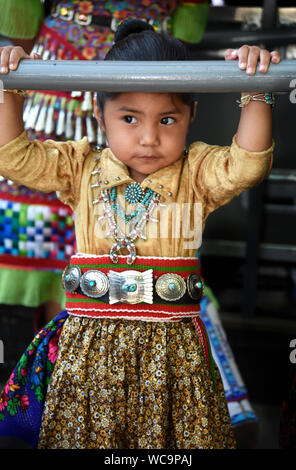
<point x="133" y="193"/>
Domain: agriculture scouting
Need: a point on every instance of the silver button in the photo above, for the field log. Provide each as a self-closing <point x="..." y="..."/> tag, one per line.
<point x="149" y="181"/>
<point x="169" y="193"/>
<point x="160" y="186"/>
<point x="117" y="178"/>
<point x="106" y="182"/>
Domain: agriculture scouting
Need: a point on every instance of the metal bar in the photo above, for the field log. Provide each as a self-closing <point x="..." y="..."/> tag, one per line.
<point x="236" y="38"/>
<point x="266" y="252"/>
<point x="282" y="175"/>
<point x="280" y="209"/>
<point x="254" y="224"/>
<point x="270" y="16"/>
<point x="179" y="76"/>
<point x="248" y="15"/>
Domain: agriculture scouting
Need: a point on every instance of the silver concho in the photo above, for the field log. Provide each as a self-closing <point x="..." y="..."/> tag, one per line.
<point x="131" y="287"/>
<point x="71" y="278"/>
<point x="195" y="287"/>
<point x="94" y="283"/>
<point x="170" y="287"/>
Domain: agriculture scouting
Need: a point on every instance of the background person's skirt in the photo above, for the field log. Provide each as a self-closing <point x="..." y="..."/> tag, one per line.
<point x="22" y="399"/>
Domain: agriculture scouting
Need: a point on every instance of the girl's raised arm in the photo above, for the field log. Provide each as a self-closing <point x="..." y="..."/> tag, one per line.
<point x="254" y="131"/>
<point x="11" y="107"/>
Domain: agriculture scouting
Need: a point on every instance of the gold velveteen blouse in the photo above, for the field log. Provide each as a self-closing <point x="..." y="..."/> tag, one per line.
<point x="210" y="176"/>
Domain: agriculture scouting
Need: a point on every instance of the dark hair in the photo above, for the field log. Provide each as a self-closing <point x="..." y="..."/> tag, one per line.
<point x="136" y="40"/>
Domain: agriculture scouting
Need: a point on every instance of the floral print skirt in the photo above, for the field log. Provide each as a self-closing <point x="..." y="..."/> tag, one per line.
<point x="133" y="385"/>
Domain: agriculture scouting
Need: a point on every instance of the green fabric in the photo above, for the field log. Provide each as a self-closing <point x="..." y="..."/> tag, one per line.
<point x="210" y="295"/>
<point x="20" y="18"/>
<point x="30" y="288"/>
<point x="189" y="21"/>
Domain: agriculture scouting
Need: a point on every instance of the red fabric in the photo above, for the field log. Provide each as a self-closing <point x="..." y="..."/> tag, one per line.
<point x="22" y="262"/>
<point x="39" y="201"/>
<point x="78" y="304"/>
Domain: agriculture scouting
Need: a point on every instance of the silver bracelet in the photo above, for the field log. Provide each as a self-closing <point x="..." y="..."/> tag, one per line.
<point x="17" y="92"/>
<point x="267" y="98"/>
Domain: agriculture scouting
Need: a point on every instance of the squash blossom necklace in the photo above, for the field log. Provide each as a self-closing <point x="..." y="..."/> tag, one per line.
<point x="136" y="220"/>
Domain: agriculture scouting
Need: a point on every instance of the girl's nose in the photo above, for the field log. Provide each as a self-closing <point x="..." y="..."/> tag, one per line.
<point x="149" y="136"/>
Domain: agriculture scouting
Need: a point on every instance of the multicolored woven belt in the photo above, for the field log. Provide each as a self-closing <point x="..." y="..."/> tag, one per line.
<point x="155" y="289"/>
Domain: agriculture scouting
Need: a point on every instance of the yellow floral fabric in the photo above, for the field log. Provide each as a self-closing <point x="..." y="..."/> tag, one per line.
<point x="124" y="383"/>
<point x="132" y="384"/>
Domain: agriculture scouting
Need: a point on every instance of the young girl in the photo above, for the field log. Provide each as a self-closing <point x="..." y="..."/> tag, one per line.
<point x="133" y="366"/>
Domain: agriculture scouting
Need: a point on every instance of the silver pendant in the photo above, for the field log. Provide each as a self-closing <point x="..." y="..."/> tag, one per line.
<point x="131" y="287"/>
<point x="87" y="102"/>
<point x="78" y="128"/>
<point x="121" y="244"/>
<point x="61" y="122"/>
<point x="34" y="111"/>
<point x="69" y="125"/>
<point x="101" y="138"/>
<point x="46" y="55"/>
<point x="27" y="109"/>
<point x="90" y="130"/>
<point x="40" y="123"/>
<point x="49" y="123"/>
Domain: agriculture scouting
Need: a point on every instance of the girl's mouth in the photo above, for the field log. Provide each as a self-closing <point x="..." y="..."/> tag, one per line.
<point x="149" y="157"/>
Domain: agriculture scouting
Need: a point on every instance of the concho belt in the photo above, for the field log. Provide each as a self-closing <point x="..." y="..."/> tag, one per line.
<point x="160" y="287"/>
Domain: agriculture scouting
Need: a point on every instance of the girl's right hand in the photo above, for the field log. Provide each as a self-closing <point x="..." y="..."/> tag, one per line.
<point x="10" y="57"/>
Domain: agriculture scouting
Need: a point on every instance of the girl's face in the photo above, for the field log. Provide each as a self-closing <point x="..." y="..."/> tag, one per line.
<point x="146" y="131"/>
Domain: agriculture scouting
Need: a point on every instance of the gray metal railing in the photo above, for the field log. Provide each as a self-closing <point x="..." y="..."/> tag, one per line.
<point x="180" y="76"/>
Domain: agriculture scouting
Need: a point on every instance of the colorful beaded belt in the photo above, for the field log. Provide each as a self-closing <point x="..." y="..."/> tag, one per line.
<point x="155" y="289"/>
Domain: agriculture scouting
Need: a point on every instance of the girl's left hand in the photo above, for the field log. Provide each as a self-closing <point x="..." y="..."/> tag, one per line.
<point x="249" y="56"/>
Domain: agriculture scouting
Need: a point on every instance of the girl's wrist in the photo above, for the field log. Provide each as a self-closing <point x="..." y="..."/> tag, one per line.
<point x="247" y="97"/>
<point x="16" y="92"/>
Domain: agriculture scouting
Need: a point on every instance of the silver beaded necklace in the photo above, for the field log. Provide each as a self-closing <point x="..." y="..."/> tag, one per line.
<point x="136" y="228"/>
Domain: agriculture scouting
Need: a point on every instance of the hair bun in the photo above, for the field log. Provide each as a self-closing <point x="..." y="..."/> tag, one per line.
<point x="131" y="26"/>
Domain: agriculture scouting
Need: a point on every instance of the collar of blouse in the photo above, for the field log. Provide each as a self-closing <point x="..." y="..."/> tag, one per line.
<point x="165" y="181"/>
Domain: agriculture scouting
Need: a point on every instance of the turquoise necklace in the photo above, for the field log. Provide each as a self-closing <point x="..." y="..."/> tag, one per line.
<point x="139" y="218"/>
<point x="146" y="202"/>
<point x="133" y="194"/>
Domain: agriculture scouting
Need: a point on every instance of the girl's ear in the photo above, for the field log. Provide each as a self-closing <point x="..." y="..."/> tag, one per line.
<point x="193" y="112"/>
<point x="98" y="115"/>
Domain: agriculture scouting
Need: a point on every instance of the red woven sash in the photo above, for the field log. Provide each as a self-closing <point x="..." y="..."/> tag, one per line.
<point x="79" y="304"/>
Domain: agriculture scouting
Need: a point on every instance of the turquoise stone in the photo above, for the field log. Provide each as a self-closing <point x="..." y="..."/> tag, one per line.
<point x="92" y="283"/>
<point x="129" y="287"/>
<point x="172" y="286"/>
<point x="133" y="193"/>
<point x="67" y="277"/>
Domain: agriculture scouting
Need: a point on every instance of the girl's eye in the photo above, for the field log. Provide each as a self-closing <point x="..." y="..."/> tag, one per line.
<point x="167" y="121"/>
<point x="130" y="119"/>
